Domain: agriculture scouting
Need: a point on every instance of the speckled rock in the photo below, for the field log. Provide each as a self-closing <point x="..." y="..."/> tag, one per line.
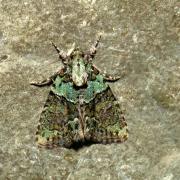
<point x="140" y="40"/>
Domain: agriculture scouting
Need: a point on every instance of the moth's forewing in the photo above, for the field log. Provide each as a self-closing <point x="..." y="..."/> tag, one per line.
<point x="61" y="124"/>
<point x="57" y="125"/>
<point x="107" y="124"/>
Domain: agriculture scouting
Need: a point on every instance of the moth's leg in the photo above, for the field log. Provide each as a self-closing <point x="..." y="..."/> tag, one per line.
<point x="111" y="78"/>
<point x="45" y="82"/>
<point x="49" y="81"/>
<point x="105" y="76"/>
<point x="96" y="70"/>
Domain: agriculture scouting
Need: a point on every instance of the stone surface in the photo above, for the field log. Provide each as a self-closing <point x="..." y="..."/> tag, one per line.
<point x="140" y="38"/>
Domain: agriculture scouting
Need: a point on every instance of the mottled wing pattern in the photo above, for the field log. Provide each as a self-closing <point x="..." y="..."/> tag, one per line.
<point x="63" y="123"/>
<point x="58" y="125"/>
<point x="107" y="124"/>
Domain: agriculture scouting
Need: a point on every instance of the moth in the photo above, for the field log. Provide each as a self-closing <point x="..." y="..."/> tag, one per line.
<point x="80" y="107"/>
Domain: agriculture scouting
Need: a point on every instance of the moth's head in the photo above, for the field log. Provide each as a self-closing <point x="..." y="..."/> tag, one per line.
<point x="78" y="65"/>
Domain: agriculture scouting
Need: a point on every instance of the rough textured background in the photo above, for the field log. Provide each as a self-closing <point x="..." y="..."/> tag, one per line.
<point x="140" y="38"/>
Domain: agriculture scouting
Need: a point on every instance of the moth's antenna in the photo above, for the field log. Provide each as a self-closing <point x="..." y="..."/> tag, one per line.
<point x="97" y="42"/>
<point x="62" y="55"/>
<point x="71" y="50"/>
<point x="93" y="49"/>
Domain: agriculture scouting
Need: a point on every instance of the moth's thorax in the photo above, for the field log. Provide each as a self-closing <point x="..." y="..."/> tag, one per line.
<point x="79" y="74"/>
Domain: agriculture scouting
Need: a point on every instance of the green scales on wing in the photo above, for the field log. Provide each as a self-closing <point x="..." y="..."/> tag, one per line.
<point x="65" y="121"/>
<point x="67" y="90"/>
<point x="80" y="106"/>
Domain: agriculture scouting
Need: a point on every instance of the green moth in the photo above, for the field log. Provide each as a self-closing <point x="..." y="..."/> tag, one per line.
<point x="80" y="107"/>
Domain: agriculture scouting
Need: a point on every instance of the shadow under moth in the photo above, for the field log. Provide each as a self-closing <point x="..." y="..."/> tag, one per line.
<point x="80" y="107"/>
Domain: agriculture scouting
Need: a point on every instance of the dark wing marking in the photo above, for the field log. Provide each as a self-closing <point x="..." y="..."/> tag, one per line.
<point x="63" y="123"/>
<point x="59" y="125"/>
<point x="107" y="124"/>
